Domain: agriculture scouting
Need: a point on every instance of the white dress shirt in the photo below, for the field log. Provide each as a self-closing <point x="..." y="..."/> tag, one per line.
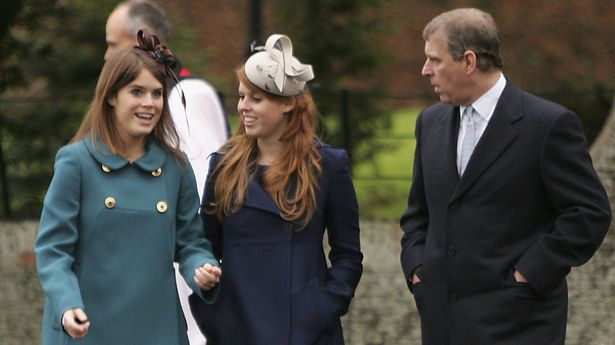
<point x="202" y="130"/>
<point x="483" y="107"/>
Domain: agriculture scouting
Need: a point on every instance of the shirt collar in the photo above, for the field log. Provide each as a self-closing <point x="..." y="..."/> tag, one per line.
<point x="485" y="105"/>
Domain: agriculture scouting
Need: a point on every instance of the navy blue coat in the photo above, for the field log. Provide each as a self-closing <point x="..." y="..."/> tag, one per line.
<point x="277" y="287"/>
<point x="529" y="200"/>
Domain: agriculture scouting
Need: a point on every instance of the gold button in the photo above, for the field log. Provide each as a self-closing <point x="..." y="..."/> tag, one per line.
<point x="110" y="202"/>
<point x="161" y="206"/>
<point x="157" y="172"/>
<point x="106" y="168"/>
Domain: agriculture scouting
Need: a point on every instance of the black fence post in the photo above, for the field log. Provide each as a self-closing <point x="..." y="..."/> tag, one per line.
<point x="6" y="200"/>
<point x="255" y="24"/>
<point x="346" y="126"/>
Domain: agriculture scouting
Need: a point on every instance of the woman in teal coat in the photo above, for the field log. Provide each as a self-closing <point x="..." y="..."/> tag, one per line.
<point x="272" y="193"/>
<point x="120" y="209"/>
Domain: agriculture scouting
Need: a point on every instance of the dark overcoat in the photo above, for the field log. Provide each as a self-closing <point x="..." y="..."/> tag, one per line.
<point x="109" y="233"/>
<point x="529" y="200"/>
<point x="277" y="287"/>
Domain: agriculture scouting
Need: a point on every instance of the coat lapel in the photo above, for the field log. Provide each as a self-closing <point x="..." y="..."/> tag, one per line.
<point x="257" y="197"/>
<point x="450" y="121"/>
<point x="498" y="135"/>
<point x="437" y="138"/>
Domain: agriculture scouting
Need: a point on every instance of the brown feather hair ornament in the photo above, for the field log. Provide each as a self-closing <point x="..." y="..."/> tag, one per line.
<point x="151" y="45"/>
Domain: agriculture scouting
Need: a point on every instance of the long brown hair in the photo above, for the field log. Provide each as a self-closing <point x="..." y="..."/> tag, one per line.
<point x="99" y="123"/>
<point x="291" y="181"/>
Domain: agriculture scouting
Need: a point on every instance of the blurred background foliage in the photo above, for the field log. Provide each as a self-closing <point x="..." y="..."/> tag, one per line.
<point x="48" y="69"/>
<point x="367" y="55"/>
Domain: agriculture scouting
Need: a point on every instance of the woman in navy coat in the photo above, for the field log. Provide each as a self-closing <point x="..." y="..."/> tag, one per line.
<point x="121" y="208"/>
<point x="273" y="190"/>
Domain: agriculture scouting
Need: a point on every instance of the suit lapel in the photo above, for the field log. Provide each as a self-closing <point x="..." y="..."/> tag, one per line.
<point x="498" y="135"/>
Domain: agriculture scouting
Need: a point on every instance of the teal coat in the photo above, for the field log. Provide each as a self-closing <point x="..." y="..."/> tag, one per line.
<point x="109" y="233"/>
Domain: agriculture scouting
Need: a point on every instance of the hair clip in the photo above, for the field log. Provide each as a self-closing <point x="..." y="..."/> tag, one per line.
<point x="161" y="54"/>
<point x="254" y="48"/>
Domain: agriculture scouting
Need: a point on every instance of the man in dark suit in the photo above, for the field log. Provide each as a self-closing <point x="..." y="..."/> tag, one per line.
<point x="504" y="198"/>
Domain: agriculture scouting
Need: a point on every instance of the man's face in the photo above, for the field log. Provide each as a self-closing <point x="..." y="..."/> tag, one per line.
<point x="116" y="32"/>
<point x="447" y="76"/>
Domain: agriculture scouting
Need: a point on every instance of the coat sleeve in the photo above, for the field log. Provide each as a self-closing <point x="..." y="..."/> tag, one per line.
<point x="342" y="222"/>
<point x="58" y="234"/>
<point x="192" y="249"/>
<point x="581" y="205"/>
<point x="415" y="219"/>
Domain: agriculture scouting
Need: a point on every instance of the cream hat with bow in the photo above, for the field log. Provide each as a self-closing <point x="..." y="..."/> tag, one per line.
<point x="274" y="68"/>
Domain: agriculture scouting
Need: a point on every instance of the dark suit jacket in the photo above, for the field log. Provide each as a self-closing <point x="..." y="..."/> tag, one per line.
<point x="276" y="287"/>
<point x="529" y="200"/>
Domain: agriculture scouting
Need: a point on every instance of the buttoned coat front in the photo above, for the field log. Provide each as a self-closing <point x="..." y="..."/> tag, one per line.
<point x="109" y="233"/>
<point x="277" y="288"/>
<point x="529" y="200"/>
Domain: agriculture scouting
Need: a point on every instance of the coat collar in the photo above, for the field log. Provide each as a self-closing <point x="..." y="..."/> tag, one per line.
<point x="498" y="135"/>
<point x="257" y="197"/>
<point x="152" y="160"/>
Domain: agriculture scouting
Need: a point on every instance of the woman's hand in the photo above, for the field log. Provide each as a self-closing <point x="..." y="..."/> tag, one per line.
<point x="207" y="276"/>
<point x="75" y="322"/>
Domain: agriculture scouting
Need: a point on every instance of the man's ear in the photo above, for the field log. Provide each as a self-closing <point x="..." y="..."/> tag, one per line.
<point x="470" y="60"/>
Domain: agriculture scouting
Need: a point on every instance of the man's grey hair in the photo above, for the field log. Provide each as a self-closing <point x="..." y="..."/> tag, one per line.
<point x="144" y="14"/>
<point x="469" y="29"/>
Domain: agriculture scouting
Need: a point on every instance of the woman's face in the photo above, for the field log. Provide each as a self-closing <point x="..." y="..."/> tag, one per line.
<point x="262" y="117"/>
<point x="138" y="107"/>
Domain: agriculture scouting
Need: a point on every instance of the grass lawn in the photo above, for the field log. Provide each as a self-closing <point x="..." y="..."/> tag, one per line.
<point x="382" y="183"/>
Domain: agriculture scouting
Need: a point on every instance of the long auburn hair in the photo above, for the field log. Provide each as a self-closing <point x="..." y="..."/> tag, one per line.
<point x="99" y="122"/>
<point x="291" y="181"/>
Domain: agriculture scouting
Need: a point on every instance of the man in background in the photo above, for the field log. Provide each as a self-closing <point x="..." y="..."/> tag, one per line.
<point x="504" y="198"/>
<point x="202" y="126"/>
